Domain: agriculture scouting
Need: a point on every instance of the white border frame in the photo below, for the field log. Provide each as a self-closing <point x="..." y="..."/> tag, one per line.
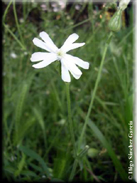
<point x="135" y="60"/>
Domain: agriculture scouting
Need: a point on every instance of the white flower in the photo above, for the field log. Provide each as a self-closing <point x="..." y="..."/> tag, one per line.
<point x="21" y="20"/>
<point x="68" y="62"/>
<point x="77" y="7"/>
<point x="13" y="55"/>
<point x="43" y="176"/>
<point x="123" y="4"/>
<point x="44" y="7"/>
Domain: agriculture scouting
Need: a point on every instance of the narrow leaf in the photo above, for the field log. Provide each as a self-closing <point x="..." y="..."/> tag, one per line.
<point x="111" y="153"/>
<point x="35" y="156"/>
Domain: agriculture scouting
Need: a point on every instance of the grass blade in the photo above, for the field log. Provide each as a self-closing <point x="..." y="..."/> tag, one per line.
<point x="111" y="153"/>
<point x="35" y="156"/>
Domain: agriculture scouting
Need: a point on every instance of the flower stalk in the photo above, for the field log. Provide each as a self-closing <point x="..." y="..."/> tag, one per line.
<point x="91" y="104"/>
<point x="94" y="91"/>
<point x="70" y="118"/>
<point x="17" y="23"/>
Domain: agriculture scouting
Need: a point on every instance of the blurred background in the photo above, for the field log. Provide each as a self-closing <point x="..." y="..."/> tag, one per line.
<point x="36" y="143"/>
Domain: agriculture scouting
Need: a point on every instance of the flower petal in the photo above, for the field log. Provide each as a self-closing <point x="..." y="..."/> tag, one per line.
<point x="65" y="74"/>
<point x="70" y="65"/>
<point x="41" y="44"/>
<point x="76" y="76"/>
<point x="73" y="46"/>
<point x="71" y="39"/>
<point x="48" y="40"/>
<point x="48" y="60"/>
<point x="38" y="56"/>
<point x="78" y="61"/>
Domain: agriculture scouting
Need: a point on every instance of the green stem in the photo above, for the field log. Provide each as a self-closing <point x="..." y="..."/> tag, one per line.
<point x="73" y="170"/>
<point x="24" y="10"/>
<point x="16" y="20"/>
<point x="22" y="46"/>
<point x="94" y="91"/>
<point x="91" y="103"/>
<point x="6" y="11"/>
<point x="70" y="118"/>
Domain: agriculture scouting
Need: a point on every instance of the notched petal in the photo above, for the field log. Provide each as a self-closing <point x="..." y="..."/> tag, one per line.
<point x="81" y="63"/>
<point x="48" y="41"/>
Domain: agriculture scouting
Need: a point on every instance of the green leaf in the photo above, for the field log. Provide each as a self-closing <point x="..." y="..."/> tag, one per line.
<point x="111" y="153"/>
<point x="61" y="163"/>
<point x="20" y="166"/>
<point x="9" y="169"/>
<point x="28" y="173"/>
<point x="39" y="118"/>
<point x="37" y="168"/>
<point x="20" y="103"/>
<point x="24" y="129"/>
<point x="35" y="156"/>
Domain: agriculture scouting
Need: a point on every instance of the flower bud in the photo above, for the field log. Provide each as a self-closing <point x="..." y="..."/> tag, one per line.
<point x="123" y="4"/>
<point x="116" y="21"/>
<point x="92" y="152"/>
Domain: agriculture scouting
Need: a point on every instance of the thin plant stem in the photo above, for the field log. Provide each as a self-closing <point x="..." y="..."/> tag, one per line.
<point x="24" y="10"/>
<point x="125" y="37"/>
<point x="70" y="117"/>
<point x="16" y="20"/>
<point x="94" y="91"/>
<point x="22" y="46"/>
<point x="6" y="11"/>
<point x="91" y="105"/>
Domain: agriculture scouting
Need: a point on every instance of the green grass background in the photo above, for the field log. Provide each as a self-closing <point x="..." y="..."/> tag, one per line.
<point x="36" y="142"/>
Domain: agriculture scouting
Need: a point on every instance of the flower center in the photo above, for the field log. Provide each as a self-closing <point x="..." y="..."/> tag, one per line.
<point x="60" y="53"/>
